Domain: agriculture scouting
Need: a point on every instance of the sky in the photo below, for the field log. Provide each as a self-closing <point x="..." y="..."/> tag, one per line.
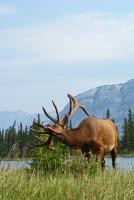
<point x="51" y="48"/>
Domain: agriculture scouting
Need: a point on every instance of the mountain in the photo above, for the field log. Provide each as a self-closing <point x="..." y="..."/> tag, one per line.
<point x="7" y="118"/>
<point x="117" y="98"/>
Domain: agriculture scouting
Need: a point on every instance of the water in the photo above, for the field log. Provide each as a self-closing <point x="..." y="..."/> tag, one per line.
<point x="123" y="163"/>
<point x="19" y="164"/>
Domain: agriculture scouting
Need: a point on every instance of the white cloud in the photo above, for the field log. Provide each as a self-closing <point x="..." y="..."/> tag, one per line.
<point x="77" y="38"/>
<point x="6" y="9"/>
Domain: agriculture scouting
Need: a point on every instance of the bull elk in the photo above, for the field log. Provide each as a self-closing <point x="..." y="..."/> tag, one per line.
<point x="98" y="136"/>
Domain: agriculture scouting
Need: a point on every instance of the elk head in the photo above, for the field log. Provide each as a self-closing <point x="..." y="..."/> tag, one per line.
<point x="60" y="124"/>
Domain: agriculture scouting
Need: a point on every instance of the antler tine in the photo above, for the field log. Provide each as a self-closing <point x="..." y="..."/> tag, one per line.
<point x="57" y="113"/>
<point x="68" y="115"/>
<point x="77" y="105"/>
<point x="51" y="118"/>
<point x="71" y="97"/>
<point x="84" y="109"/>
<point x="70" y="110"/>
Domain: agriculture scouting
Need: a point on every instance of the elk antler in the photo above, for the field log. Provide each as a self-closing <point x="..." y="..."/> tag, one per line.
<point x="60" y="121"/>
<point x="65" y="120"/>
<point x="73" y="109"/>
<point x="51" y="118"/>
<point x="41" y="142"/>
<point x="74" y="105"/>
<point x="57" y="113"/>
<point x="77" y="105"/>
<point x="56" y="121"/>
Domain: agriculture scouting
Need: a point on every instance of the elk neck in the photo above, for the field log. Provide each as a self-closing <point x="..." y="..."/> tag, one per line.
<point x="69" y="137"/>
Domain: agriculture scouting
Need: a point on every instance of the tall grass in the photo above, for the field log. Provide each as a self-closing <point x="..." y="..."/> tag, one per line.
<point x="108" y="185"/>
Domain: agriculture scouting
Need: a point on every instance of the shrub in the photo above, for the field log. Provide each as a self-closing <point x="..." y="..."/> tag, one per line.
<point x="46" y="160"/>
<point x="62" y="160"/>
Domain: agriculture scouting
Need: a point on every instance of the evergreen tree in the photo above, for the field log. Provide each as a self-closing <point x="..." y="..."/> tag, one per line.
<point x="38" y="120"/>
<point x="125" y="137"/>
<point x="127" y="140"/>
<point x="1" y="143"/>
<point x="108" y="114"/>
<point x="11" y="136"/>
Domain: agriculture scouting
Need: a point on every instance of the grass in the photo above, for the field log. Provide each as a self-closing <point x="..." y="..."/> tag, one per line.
<point x="24" y="185"/>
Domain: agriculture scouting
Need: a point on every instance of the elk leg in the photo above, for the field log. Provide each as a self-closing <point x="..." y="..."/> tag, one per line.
<point x="100" y="157"/>
<point x="103" y="163"/>
<point x="113" y="155"/>
<point x="86" y="153"/>
<point x="87" y="156"/>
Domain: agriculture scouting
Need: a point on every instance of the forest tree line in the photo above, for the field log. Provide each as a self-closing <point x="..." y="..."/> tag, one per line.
<point x="12" y="135"/>
<point x="22" y="135"/>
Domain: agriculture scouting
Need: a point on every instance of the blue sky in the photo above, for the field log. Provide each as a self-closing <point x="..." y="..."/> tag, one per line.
<point x="51" y="48"/>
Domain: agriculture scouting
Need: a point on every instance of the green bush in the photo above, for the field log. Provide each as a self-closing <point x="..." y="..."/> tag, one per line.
<point x="78" y="165"/>
<point x="61" y="159"/>
<point x="46" y="160"/>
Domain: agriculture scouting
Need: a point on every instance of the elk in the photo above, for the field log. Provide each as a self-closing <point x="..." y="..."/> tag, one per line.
<point x="98" y="136"/>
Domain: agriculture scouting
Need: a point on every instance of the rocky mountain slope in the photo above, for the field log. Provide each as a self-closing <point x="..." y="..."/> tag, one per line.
<point x="117" y="98"/>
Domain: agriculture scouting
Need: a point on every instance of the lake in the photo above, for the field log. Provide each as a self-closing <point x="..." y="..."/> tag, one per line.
<point x="123" y="163"/>
<point x="19" y="164"/>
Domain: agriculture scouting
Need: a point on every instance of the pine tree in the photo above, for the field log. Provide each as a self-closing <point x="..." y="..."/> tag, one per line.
<point x="125" y="137"/>
<point x="108" y="114"/>
<point x="38" y="120"/>
<point x="127" y="141"/>
<point x="1" y="144"/>
<point x="130" y="129"/>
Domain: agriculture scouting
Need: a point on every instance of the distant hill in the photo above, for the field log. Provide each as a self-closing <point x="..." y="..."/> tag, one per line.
<point x="118" y="98"/>
<point x="7" y="118"/>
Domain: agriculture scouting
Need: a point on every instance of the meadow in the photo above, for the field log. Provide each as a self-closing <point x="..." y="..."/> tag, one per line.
<point x="107" y="185"/>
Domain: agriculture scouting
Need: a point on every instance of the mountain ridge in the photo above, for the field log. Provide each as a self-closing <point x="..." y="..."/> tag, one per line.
<point x="118" y="98"/>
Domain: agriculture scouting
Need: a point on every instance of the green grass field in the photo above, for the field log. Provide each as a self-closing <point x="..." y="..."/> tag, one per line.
<point x="109" y="185"/>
